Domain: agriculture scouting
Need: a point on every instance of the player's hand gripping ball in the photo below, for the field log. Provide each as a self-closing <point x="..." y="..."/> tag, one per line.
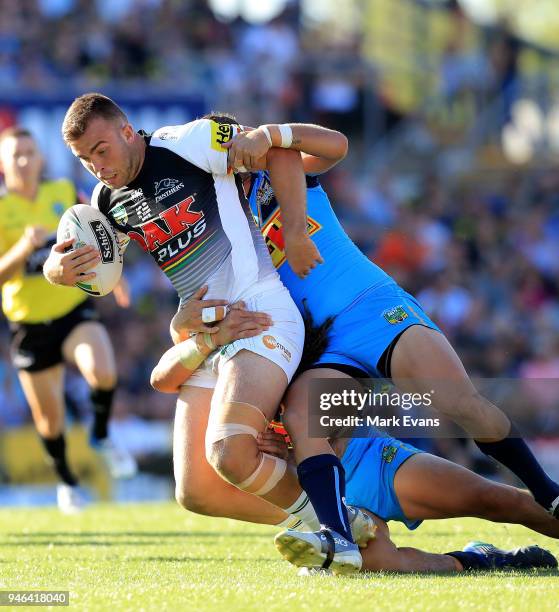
<point x="86" y="225"/>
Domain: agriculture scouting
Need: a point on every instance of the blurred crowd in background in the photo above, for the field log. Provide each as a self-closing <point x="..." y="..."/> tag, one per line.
<point x="473" y="236"/>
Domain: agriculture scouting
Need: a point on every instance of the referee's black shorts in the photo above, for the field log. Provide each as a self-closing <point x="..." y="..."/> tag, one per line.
<point x="38" y="346"/>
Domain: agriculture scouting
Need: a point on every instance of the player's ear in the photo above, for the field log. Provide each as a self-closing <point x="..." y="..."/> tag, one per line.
<point x="128" y="133"/>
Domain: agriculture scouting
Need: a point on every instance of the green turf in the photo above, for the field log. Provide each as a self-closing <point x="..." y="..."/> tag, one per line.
<point x="157" y="557"/>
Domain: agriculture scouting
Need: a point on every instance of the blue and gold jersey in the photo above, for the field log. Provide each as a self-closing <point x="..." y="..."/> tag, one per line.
<point x="345" y="274"/>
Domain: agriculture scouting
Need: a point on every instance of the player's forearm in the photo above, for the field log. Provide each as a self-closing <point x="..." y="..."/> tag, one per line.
<point x="12" y="261"/>
<point x="178" y="364"/>
<point x="288" y="182"/>
<point x="311" y="139"/>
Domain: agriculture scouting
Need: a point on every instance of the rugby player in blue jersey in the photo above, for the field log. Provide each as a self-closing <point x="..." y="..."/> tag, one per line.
<point x="378" y="330"/>
<point x="382" y="478"/>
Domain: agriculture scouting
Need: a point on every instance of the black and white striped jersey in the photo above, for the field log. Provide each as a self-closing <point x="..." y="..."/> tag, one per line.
<point x="190" y="213"/>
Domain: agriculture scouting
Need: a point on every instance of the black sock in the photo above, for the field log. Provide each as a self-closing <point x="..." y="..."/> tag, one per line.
<point x="56" y="448"/>
<point x="471" y="561"/>
<point x="323" y="479"/>
<point x="102" y="401"/>
<point x="515" y="454"/>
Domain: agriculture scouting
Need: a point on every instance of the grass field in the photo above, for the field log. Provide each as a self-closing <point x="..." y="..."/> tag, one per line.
<point x="157" y="557"/>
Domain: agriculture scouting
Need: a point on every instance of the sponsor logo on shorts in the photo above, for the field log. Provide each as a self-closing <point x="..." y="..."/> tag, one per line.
<point x="221" y="133"/>
<point x="104" y="241"/>
<point x="395" y="315"/>
<point x="271" y="343"/>
<point x="388" y="453"/>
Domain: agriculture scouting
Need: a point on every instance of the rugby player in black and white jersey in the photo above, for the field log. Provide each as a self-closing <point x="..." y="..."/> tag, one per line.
<point x="173" y="192"/>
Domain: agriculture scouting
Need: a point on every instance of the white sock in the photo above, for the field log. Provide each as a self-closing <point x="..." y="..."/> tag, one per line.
<point x="292" y="522"/>
<point x="303" y="509"/>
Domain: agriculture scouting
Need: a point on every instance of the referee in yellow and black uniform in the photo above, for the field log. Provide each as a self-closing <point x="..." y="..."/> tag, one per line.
<point x="49" y="324"/>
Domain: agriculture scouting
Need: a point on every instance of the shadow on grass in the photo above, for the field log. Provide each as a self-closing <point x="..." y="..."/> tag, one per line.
<point x="521" y="573"/>
<point x="140" y="539"/>
<point x="140" y="534"/>
<point x="185" y="558"/>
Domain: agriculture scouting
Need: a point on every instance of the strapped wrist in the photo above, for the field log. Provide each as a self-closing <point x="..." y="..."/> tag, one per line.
<point x="192" y="352"/>
<point x="286" y="135"/>
<point x="264" y="128"/>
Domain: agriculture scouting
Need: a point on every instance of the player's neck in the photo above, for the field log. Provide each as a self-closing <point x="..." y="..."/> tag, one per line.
<point x="140" y="155"/>
<point x="25" y="190"/>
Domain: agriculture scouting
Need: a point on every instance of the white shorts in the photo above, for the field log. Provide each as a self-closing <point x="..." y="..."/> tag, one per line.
<point x="282" y="343"/>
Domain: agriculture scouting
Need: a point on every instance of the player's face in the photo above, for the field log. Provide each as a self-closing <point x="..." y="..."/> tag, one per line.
<point x="106" y="150"/>
<point x="21" y="160"/>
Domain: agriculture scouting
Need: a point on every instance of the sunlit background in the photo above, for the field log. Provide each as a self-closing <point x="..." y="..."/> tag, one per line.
<point x="451" y="183"/>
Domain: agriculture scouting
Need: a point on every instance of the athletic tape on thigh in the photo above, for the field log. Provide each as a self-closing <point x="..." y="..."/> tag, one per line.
<point x="266" y="476"/>
<point x="234" y="418"/>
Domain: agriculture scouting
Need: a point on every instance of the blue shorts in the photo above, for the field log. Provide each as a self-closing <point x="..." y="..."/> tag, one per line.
<point x="365" y="329"/>
<point x="370" y="465"/>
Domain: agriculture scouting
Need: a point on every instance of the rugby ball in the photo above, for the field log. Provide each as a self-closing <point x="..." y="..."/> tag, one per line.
<point x="89" y="226"/>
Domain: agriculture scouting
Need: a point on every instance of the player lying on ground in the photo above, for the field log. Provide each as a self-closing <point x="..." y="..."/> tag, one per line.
<point x="391" y="480"/>
<point x="174" y="194"/>
<point x="378" y="330"/>
<point x="50" y="326"/>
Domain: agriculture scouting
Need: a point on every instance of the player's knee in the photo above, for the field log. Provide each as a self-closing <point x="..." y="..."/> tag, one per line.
<point x="231" y="434"/>
<point x="494" y="501"/>
<point x="462" y="406"/>
<point x="194" y="500"/>
<point x="233" y="458"/>
<point x="103" y="377"/>
<point x="49" y="427"/>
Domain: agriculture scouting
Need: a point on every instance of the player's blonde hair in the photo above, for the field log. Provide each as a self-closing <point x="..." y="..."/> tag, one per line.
<point x="85" y="108"/>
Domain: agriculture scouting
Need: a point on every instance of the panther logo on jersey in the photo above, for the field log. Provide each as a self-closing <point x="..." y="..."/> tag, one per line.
<point x="166" y="187"/>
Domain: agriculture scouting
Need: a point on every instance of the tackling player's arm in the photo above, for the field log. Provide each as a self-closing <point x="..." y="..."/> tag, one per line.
<point x="287" y="177"/>
<point x="320" y="147"/>
<point x="273" y="147"/>
<point x="14" y="258"/>
<point x="178" y="364"/>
